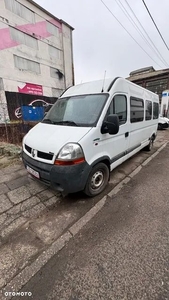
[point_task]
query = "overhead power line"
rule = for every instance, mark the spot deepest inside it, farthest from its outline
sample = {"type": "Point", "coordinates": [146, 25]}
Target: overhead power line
{"type": "Point", "coordinates": [129, 33]}
{"type": "Point", "coordinates": [130, 18]}
{"type": "Point", "coordinates": [155, 24]}
{"type": "Point", "coordinates": [155, 48]}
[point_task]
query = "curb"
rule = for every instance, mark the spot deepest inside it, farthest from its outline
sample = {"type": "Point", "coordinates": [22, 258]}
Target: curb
{"type": "Point", "coordinates": [26, 274]}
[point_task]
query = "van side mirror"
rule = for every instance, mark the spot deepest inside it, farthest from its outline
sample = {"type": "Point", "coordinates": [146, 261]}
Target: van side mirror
{"type": "Point", "coordinates": [110, 125]}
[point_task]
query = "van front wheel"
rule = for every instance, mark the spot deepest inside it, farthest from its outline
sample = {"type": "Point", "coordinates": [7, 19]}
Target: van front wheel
{"type": "Point", "coordinates": [97, 180]}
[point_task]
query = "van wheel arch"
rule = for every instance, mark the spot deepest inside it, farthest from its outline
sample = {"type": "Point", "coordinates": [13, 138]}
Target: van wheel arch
{"type": "Point", "coordinates": [98, 178]}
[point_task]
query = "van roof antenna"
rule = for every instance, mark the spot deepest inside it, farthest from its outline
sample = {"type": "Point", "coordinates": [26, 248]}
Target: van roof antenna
{"type": "Point", "coordinates": [103, 81]}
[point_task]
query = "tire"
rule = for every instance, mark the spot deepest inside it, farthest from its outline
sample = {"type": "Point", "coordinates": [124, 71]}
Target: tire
{"type": "Point", "coordinates": [160, 127]}
{"type": "Point", "coordinates": [97, 180]}
{"type": "Point", "coordinates": [150, 145]}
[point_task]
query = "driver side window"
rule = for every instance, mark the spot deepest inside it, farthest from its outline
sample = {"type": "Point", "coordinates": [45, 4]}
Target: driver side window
{"type": "Point", "coordinates": [118, 106]}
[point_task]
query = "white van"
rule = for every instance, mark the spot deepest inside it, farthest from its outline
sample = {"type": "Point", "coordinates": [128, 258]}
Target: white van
{"type": "Point", "coordinates": [90, 130]}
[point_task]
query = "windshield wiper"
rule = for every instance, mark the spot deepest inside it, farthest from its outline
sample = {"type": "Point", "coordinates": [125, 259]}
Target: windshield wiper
{"type": "Point", "coordinates": [47, 121]}
{"type": "Point", "coordinates": [71, 123]}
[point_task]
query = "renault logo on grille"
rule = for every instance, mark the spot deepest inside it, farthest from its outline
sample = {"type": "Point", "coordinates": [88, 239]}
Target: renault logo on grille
{"type": "Point", "coordinates": [33, 152]}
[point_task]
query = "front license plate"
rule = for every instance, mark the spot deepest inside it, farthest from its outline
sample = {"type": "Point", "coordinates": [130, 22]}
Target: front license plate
{"type": "Point", "coordinates": [33, 172]}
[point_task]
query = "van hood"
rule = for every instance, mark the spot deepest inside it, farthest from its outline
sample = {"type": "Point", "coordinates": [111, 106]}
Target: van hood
{"type": "Point", "coordinates": [51, 138]}
{"type": "Point", "coordinates": [163, 120]}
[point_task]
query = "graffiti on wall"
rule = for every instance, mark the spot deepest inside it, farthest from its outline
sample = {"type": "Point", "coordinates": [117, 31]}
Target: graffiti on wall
{"type": "Point", "coordinates": [16, 100]}
{"type": "Point", "coordinates": [38, 30]}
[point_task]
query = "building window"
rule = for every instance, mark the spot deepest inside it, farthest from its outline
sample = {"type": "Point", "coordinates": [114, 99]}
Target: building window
{"type": "Point", "coordinates": [148, 105]}
{"type": "Point", "coordinates": [52, 29]}
{"type": "Point", "coordinates": [20, 10]}
{"type": "Point", "coordinates": [54, 73]}
{"type": "Point", "coordinates": [136, 110]}
{"type": "Point", "coordinates": [26, 64]}
{"type": "Point", "coordinates": [23, 38]}
{"type": "Point", "coordinates": [119, 106]}
{"type": "Point", "coordinates": [155, 110]}
{"type": "Point", "coordinates": [54, 52]}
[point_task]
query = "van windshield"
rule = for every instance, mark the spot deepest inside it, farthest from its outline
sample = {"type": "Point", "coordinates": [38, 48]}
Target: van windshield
{"type": "Point", "coordinates": [81, 110]}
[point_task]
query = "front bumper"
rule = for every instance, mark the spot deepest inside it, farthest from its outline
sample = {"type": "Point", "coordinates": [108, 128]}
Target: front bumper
{"type": "Point", "coordinates": [163, 125]}
{"type": "Point", "coordinates": [67, 179]}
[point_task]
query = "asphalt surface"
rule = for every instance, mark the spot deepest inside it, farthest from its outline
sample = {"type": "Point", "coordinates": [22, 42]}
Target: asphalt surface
{"type": "Point", "coordinates": [122, 253]}
{"type": "Point", "coordinates": [36, 223]}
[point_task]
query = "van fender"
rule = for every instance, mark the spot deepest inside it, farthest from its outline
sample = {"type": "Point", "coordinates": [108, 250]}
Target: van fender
{"type": "Point", "coordinates": [104, 159]}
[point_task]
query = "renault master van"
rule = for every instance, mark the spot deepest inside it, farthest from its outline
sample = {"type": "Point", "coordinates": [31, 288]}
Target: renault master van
{"type": "Point", "coordinates": [90, 130]}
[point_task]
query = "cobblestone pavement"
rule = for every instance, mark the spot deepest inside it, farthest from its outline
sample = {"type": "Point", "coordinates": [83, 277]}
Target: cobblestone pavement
{"type": "Point", "coordinates": [21, 198]}
{"type": "Point", "coordinates": [33, 216]}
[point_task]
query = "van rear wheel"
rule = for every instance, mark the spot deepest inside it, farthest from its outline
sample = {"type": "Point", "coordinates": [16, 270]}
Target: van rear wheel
{"type": "Point", "coordinates": [97, 180]}
{"type": "Point", "coordinates": [150, 145]}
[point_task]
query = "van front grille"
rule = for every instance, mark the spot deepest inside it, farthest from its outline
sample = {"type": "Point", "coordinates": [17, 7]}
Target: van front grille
{"type": "Point", "coordinates": [40, 154]}
{"type": "Point", "coordinates": [29, 149]}
{"type": "Point", "coordinates": [45, 155]}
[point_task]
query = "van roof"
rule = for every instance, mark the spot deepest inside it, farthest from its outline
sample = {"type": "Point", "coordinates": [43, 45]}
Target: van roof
{"type": "Point", "coordinates": [99, 86]}
{"type": "Point", "coordinates": [92, 87]}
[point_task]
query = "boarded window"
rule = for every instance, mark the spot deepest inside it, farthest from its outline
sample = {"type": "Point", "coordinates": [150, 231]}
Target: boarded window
{"type": "Point", "coordinates": [52, 29]}
{"type": "Point", "coordinates": [54, 73]}
{"type": "Point", "coordinates": [20, 10]}
{"type": "Point", "coordinates": [26, 64]}
{"type": "Point", "coordinates": [23, 38]}
{"type": "Point", "coordinates": [136, 110]}
{"type": "Point", "coordinates": [54, 52]}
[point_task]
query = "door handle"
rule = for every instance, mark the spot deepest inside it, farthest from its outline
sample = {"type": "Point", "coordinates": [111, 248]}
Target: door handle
{"type": "Point", "coordinates": [126, 134]}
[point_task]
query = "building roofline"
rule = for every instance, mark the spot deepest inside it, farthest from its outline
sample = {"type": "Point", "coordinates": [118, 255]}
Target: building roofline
{"type": "Point", "coordinates": [48, 13]}
{"type": "Point", "coordinates": [142, 76]}
{"type": "Point", "coordinates": [142, 71]}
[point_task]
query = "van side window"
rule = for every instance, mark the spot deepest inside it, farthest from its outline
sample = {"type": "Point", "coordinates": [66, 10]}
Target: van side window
{"type": "Point", "coordinates": [136, 110]}
{"type": "Point", "coordinates": [155, 110]}
{"type": "Point", "coordinates": [148, 105]}
{"type": "Point", "coordinates": [119, 106]}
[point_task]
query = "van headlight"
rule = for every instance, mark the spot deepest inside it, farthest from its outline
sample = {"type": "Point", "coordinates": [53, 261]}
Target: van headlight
{"type": "Point", "coordinates": [70, 154]}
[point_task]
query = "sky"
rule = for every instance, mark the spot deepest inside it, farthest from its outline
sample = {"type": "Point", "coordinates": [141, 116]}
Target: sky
{"type": "Point", "coordinates": [102, 47]}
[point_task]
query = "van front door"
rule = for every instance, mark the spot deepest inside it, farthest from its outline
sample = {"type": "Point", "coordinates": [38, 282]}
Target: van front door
{"type": "Point", "coordinates": [117, 145]}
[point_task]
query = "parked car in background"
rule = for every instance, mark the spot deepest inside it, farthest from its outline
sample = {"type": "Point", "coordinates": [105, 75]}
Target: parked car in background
{"type": "Point", "coordinates": [163, 122]}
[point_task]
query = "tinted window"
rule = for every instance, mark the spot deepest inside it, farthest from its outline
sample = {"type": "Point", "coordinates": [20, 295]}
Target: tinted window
{"type": "Point", "coordinates": [148, 110]}
{"type": "Point", "coordinates": [136, 110]}
{"type": "Point", "coordinates": [119, 106]}
{"type": "Point", "coordinates": [155, 110]}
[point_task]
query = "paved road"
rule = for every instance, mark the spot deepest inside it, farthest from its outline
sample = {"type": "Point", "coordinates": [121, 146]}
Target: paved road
{"type": "Point", "coordinates": [123, 252]}
{"type": "Point", "coordinates": [32, 217]}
